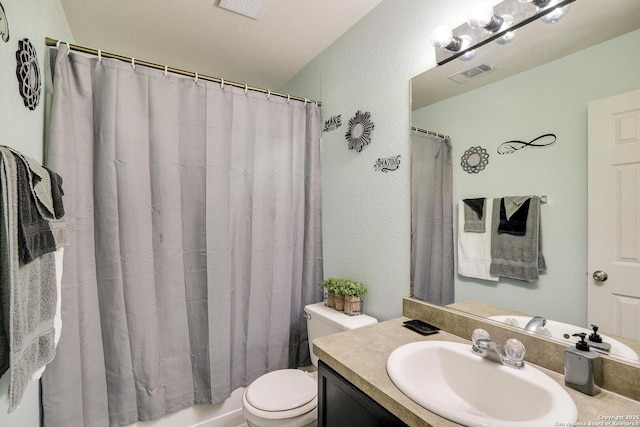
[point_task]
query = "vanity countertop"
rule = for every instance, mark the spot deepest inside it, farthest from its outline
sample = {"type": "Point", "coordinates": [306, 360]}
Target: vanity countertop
{"type": "Point", "coordinates": [360, 356]}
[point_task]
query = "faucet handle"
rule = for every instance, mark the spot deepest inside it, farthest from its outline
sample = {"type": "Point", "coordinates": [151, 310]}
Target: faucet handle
{"type": "Point", "coordinates": [479, 334]}
{"type": "Point", "coordinates": [514, 349]}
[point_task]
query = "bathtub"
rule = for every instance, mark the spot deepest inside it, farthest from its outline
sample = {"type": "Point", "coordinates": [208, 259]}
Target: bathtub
{"type": "Point", "coordinates": [224, 414]}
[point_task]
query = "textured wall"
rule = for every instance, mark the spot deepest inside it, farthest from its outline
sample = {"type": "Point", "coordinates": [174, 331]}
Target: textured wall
{"type": "Point", "coordinates": [23, 129]}
{"type": "Point", "coordinates": [366, 214]}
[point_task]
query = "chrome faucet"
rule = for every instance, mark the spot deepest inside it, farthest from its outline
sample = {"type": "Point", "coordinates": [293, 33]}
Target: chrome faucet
{"type": "Point", "coordinates": [535, 323]}
{"type": "Point", "coordinates": [512, 356]}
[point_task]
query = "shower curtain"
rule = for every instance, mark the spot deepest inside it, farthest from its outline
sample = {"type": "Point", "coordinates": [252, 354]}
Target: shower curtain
{"type": "Point", "coordinates": [194, 219]}
{"type": "Point", "coordinates": [431, 219]}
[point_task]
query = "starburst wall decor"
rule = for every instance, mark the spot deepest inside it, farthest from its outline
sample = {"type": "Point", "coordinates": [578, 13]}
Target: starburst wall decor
{"type": "Point", "coordinates": [359, 133]}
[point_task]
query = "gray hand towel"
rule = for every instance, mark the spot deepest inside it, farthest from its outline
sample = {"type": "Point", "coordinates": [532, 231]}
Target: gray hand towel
{"type": "Point", "coordinates": [518, 257]}
{"type": "Point", "coordinates": [474, 211]}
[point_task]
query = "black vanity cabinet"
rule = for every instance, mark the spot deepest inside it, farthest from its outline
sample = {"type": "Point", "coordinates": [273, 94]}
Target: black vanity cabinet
{"type": "Point", "coordinates": [340, 403]}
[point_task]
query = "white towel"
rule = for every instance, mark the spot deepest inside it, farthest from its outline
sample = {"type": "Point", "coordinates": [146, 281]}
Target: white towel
{"type": "Point", "coordinates": [474, 249]}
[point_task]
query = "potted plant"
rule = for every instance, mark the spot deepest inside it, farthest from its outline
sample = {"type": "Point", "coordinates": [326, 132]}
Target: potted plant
{"type": "Point", "coordinates": [353, 292]}
{"type": "Point", "coordinates": [330, 285]}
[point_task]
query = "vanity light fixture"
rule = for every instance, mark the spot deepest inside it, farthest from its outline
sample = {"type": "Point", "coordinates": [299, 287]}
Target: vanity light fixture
{"type": "Point", "coordinates": [486, 24]}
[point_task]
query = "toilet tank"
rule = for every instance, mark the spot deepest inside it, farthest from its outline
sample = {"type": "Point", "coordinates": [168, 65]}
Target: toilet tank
{"type": "Point", "coordinates": [322, 320]}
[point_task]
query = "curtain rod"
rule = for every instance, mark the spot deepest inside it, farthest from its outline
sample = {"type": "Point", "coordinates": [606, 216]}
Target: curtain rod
{"type": "Point", "coordinates": [429, 132]}
{"type": "Point", "coordinates": [53, 42]}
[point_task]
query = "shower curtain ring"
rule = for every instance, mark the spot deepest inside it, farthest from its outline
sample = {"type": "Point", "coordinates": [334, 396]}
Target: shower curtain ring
{"type": "Point", "coordinates": [268, 93]}
{"type": "Point", "coordinates": [58, 44]}
{"type": "Point", "coordinates": [196, 78]}
{"type": "Point", "coordinates": [68, 49]}
{"type": "Point", "coordinates": [316, 103]}
{"type": "Point", "coordinates": [133, 63]}
{"type": "Point", "coordinates": [221, 83]}
{"type": "Point", "coordinates": [166, 71]}
{"type": "Point", "coordinates": [246, 88]}
{"type": "Point", "coordinates": [99, 55]}
{"type": "Point", "coordinates": [288, 98]}
{"type": "Point", "coordinates": [305, 102]}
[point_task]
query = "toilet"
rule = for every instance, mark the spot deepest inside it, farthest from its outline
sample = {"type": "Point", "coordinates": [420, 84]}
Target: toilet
{"type": "Point", "coordinates": [289, 397]}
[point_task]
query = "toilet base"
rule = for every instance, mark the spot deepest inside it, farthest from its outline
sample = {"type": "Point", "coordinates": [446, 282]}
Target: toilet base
{"type": "Point", "coordinates": [307, 420]}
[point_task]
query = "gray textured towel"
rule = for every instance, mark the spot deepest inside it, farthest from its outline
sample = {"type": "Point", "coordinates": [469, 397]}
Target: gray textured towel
{"type": "Point", "coordinates": [28, 294]}
{"type": "Point", "coordinates": [518, 257]}
{"type": "Point", "coordinates": [474, 220]}
{"type": "Point", "coordinates": [34, 233]}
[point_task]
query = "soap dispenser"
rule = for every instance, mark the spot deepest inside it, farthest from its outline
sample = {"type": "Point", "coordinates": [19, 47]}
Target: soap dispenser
{"type": "Point", "coordinates": [582, 367]}
{"type": "Point", "coordinates": [595, 340]}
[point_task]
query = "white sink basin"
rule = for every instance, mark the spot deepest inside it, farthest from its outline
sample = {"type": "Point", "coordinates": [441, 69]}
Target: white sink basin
{"type": "Point", "coordinates": [449, 380]}
{"type": "Point", "coordinates": [565, 331]}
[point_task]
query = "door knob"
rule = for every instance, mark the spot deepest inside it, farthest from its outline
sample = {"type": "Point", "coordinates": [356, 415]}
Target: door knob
{"type": "Point", "coordinates": [600, 276]}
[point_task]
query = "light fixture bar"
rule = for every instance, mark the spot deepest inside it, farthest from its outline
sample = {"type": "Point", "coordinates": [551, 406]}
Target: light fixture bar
{"type": "Point", "coordinates": [522, 13]}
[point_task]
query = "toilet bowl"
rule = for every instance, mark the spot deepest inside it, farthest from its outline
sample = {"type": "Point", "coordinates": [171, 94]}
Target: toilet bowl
{"type": "Point", "coordinates": [289, 397]}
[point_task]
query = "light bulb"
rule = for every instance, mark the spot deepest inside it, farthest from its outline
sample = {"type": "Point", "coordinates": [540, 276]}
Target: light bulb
{"type": "Point", "coordinates": [442, 37]}
{"type": "Point", "coordinates": [509, 35]}
{"type": "Point", "coordinates": [466, 43]}
{"type": "Point", "coordinates": [480, 15]}
{"type": "Point", "coordinates": [555, 15]}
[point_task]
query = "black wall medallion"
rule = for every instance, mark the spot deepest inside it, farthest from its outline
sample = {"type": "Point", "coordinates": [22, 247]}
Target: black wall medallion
{"type": "Point", "coordinates": [28, 72]}
{"type": "Point", "coordinates": [333, 123]}
{"type": "Point", "coordinates": [474, 159]}
{"type": "Point", "coordinates": [512, 146]}
{"type": "Point", "coordinates": [387, 164]}
{"type": "Point", "coordinates": [359, 133]}
{"type": "Point", "coordinates": [4, 25]}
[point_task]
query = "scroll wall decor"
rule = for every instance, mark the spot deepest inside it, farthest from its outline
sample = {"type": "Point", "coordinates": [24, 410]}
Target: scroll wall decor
{"type": "Point", "coordinates": [332, 123]}
{"type": "Point", "coordinates": [387, 164]}
{"type": "Point", "coordinates": [4, 25]}
{"type": "Point", "coordinates": [28, 72]}
{"type": "Point", "coordinates": [542, 141]}
{"type": "Point", "coordinates": [359, 133]}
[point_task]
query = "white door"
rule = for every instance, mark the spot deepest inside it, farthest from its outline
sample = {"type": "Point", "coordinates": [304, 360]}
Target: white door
{"type": "Point", "coordinates": [614, 214]}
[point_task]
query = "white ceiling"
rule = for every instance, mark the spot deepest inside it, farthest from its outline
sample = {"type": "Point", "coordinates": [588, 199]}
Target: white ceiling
{"type": "Point", "coordinates": [199, 36]}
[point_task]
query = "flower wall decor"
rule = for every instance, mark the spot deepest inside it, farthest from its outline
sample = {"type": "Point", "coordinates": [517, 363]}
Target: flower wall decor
{"type": "Point", "coordinates": [359, 133]}
{"type": "Point", "coordinates": [474, 159]}
{"type": "Point", "coordinates": [28, 72]}
{"type": "Point", "coordinates": [4, 25]}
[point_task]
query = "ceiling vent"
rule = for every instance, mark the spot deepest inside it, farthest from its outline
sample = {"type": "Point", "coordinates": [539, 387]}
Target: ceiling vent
{"type": "Point", "coordinates": [253, 9]}
{"type": "Point", "coordinates": [472, 73]}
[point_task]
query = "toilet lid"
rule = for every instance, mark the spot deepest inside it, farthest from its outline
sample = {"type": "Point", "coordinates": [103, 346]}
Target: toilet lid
{"type": "Point", "coordinates": [282, 390]}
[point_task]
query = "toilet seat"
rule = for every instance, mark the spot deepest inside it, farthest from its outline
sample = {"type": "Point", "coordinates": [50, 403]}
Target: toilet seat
{"type": "Point", "coordinates": [282, 394]}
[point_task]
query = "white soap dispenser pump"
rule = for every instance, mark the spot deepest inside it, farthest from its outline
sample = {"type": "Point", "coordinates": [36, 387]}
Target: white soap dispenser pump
{"type": "Point", "coordinates": [582, 367]}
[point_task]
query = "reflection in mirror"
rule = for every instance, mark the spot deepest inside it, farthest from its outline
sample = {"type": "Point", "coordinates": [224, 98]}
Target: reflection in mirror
{"type": "Point", "coordinates": [540, 83]}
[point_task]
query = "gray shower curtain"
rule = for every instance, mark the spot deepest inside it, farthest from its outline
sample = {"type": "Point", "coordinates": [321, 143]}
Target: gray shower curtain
{"type": "Point", "coordinates": [194, 219]}
{"type": "Point", "coordinates": [431, 219]}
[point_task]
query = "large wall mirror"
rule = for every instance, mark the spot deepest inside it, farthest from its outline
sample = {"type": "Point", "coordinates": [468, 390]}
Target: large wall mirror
{"type": "Point", "coordinates": [541, 83]}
